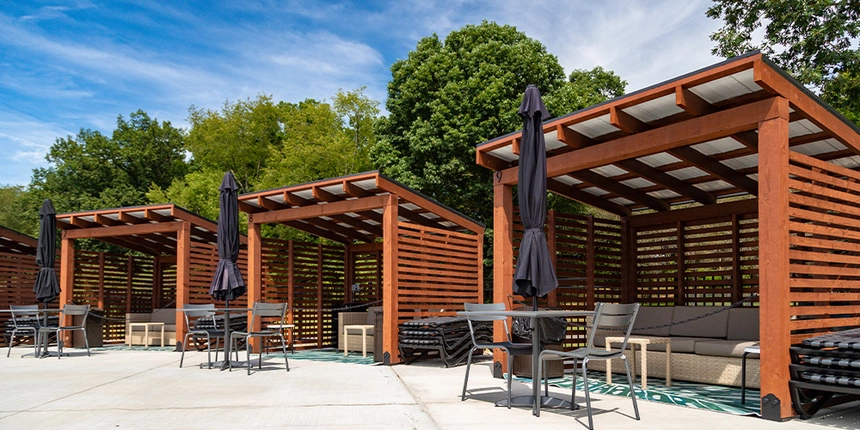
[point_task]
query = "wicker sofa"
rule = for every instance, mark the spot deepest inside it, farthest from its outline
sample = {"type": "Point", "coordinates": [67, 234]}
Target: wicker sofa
{"type": "Point", "coordinates": [167, 316]}
{"type": "Point", "coordinates": [706, 350]}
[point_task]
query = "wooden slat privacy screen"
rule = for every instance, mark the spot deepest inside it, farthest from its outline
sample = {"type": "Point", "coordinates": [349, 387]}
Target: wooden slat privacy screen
{"type": "Point", "coordinates": [824, 224]}
{"type": "Point", "coordinates": [437, 271]}
{"type": "Point", "coordinates": [17, 276]}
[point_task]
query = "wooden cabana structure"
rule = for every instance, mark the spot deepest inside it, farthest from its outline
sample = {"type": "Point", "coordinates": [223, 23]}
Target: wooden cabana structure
{"type": "Point", "coordinates": [18, 270]}
{"type": "Point", "coordinates": [412, 253]}
{"type": "Point", "coordinates": [727, 182]}
{"type": "Point", "coordinates": [180, 255]}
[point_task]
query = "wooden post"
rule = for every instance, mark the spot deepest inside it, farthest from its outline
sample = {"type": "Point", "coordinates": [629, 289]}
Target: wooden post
{"type": "Point", "coordinates": [183, 275]}
{"type": "Point", "coordinates": [590, 261]}
{"type": "Point", "coordinates": [291, 285]}
{"type": "Point", "coordinates": [348, 274]}
{"type": "Point", "coordinates": [552, 297]}
{"type": "Point", "coordinates": [503, 262]}
{"type": "Point", "coordinates": [390, 308]}
{"type": "Point", "coordinates": [255, 271]}
{"type": "Point", "coordinates": [737, 284]}
{"type": "Point", "coordinates": [774, 266]}
{"type": "Point", "coordinates": [156, 282]}
{"type": "Point", "coordinates": [319, 305]}
{"type": "Point", "coordinates": [129, 273]}
{"type": "Point", "coordinates": [628, 262]}
{"type": "Point", "coordinates": [67, 278]}
{"type": "Point", "coordinates": [102, 281]}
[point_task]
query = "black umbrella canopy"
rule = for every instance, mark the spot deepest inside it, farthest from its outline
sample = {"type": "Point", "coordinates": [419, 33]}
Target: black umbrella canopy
{"type": "Point", "coordinates": [534, 275]}
{"type": "Point", "coordinates": [228, 283]}
{"type": "Point", "coordinates": [47, 288]}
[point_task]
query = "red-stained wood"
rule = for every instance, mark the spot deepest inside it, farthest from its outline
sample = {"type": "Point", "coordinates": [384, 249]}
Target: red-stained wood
{"type": "Point", "coordinates": [774, 260]}
{"type": "Point", "coordinates": [67, 278]}
{"type": "Point", "coordinates": [503, 260]}
{"type": "Point", "coordinates": [310, 211]}
{"type": "Point", "coordinates": [255, 270]}
{"type": "Point", "coordinates": [183, 276]}
{"type": "Point", "coordinates": [390, 309]}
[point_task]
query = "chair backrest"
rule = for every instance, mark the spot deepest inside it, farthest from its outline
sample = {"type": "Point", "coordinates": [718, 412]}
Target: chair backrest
{"type": "Point", "coordinates": [473, 307]}
{"type": "Point", "coordinates": [262, 310]}
{"type": "Point", "coordinates": [195, 312]}
{"type": "Point", "coordinates": [613, 318]}
{"type": "Point", "coordinates": [24, 311]}
{"type": "Point", "coordinates": [77, 310]}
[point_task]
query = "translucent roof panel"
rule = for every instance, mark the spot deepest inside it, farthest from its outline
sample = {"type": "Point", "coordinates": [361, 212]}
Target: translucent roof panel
{"type": "Point", "coordinates": [567, 180]}
{"type": "Point", "coordinates": [595, 127]}
{"type": "Point", "coordinates": [719, 146]}
{"type": "Point", "coordinates": [744, 162]}
{"type": "Point", "coordinates": [621, 201]}
{"type": "Point", "coordinates": [656, 109]}
{"type": "Point", "coordinates": [728, 87]}
{"type": "Point", "coordinates": [714, 185]}
{"type": "Point", "coordinates": [609, 171]}
{"type": "Point", "coordinates": [820, 147]}
{"type": "Point", "coordinates": [664, 194]}
{"type": "Point", "coordinates": [596, 191]}
{"type": "Point", "coordinates": [687, 173]}
{"type": "Point", "coordinates": [638, 183]}
{"type": "Point", "coordinates": [802, 128]}
{"type": "Point", "coordinates": [552, 141]}
{"type": "Point", "coordinates": [659, 159]}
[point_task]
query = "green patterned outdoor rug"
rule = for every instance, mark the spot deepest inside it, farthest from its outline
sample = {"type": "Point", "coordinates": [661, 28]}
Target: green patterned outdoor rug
{"type": "Point", "coordinates": [330, 355]}
{"type": "Point", "coordinates": [692, 395]}
{"type": "Point", "coordinates": [132, 348]}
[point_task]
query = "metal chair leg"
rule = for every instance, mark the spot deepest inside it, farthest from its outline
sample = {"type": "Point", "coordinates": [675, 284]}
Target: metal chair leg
{"type": "Point", "coordinates": [284, 348]}
{"type": "Point", "coordinates": [587, 396]}
{"type": "Point", "coordinates": [632, 391]}
{"type": "Point", "coordinates": [468, 366]}
{"type": "Point", "coordinates": [86, 343]}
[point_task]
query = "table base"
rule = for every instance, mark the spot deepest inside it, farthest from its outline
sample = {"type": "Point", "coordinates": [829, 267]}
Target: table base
{"type": "Point", "coordinates": [547, 402]}
{"type": "Point", "coordinates": [224, 365]}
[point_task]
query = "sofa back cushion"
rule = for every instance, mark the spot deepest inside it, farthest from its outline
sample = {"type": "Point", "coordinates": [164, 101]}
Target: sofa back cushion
{"type": "Point", "coordinates": [651, 316]}
{"type": "Point", "coordinates": [743, 324]}
{"type": "Point", "coordinates": [167, 316]}
{"type": "Point", "coordinates": [714, 326]}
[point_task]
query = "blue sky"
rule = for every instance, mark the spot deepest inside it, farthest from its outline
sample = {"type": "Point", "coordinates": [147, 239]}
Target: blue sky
{"type": "Point", "coordinates": [68, 65]}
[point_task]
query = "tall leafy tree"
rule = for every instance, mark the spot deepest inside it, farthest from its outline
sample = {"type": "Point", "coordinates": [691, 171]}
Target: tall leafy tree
{"type": "Point", "coordinates": [448, 96]}
{"type": "Point", "coordinates": [237, 138]}
{"type": "Point", "coordinates": [15, 212]}
{"type": "Point", "coordinates": [815, 41]}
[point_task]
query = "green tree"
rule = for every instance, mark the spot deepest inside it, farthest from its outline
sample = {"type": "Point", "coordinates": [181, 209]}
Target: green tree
{"type": "Point", "coordinates": [15, 212]}
{"type": "Point", "coordinates": [447, 97]}
{"type": "Point", "coordinates": [94, 171]}
{"type": "Point", "coordinates": [197, 191]}
{"type": "Point", "coordinates": [815, 41]}
{"type": "Point", "coordinates": [239, 138]}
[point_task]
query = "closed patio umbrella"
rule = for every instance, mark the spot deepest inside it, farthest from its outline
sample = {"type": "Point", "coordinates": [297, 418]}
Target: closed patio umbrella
{"type": "Point", "coordinates": [534, 275]}
{"type": "Point", "coordinates": [227, 283]}
{"type": "Point", "coordinates": [46, 287]}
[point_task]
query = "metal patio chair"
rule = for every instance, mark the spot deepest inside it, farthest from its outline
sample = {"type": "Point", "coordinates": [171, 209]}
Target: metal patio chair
{"type": "Point", "coordinates": [195, 314]}
{"type": "Point", "coordinates": [25, 318]}
{"type": "Point", "coordinates": [481, 342]}
{"type": "Point", "coordinates": [260, 311]}
{"type": "Point", "coordinates": [607, 317]}
{"type": "Point", "coordinates": [69, 310]}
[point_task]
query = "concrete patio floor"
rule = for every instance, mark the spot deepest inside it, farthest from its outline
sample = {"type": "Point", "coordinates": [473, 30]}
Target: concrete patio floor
{"type": "Point", "coordinates": [147, 390]}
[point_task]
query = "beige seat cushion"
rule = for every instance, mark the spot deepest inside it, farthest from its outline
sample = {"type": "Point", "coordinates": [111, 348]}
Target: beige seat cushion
{"type": "Point", "coordinates": [714, 326]}
{"type": "Point", "coordinates": [722, 348]}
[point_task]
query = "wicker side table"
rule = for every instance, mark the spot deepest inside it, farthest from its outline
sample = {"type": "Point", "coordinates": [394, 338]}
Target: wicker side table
{"type": "Point", "coordinates": [146, 326]}
{"type": "Point", "coordinates": [643, 343]}
{"type": "Point", "coordinates": [364, 328]}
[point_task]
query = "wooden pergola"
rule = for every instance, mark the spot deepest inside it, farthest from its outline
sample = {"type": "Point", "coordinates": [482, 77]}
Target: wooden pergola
{"type": "Point", "coordinates": [727, 182]}
{"type": "Point", "coordinates": [181, 244]}
{"type": "Point", "coordinates": [430, 255]}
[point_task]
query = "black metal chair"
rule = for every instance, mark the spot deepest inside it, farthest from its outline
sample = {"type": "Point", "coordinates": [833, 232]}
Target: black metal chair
{"type": "Point", "coordinates": [69, 310]}
{"type": "Point", "coordinates": [25, 319]}
{"type": "Point", "coordinates": [260, 311]}
{"type": "Point", "coordinates": [607, 317]}
{"type": "Point", "coordinates": [197, 322]}
{"type": "Point", "coordinates": [485, 342]}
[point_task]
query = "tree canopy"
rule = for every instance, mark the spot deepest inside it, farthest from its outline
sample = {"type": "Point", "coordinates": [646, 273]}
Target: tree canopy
{"type": "Point", "coordinates": [815, 41]}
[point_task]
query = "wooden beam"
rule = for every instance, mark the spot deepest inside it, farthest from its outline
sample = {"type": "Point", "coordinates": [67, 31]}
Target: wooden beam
{"type": "Point", "coordinates": [77, 221]}
{"type": "Point", "coordinates": [314, 230]}
{"type": "Point", "coordinates": [774, 265]}
{"type": "Point", "coordinates": [716, 168]}
{"type": "Point", "coordinates": [354, 190]}
{"type": "Point", "coordinates": [489, 161]}
{"type": "Point", "coordinates": [358, 224]}
{"type": "Point", "coordinates": [255, 273]}
{"type": "Point", "coordinates": [572, 138]}
{"type": "Point", "coordinates": [339, 229]}
{"type": "Point", "coordinates": [587, 198]}
{"type": "Point", "coordinates": [323, 195]}
{"type": "Point", "coordinates": [101, 219]}
{"type": "Point", "coordinates": [748, 139]}
{"type": "Point", "coordinates": [690, 132]}
{"type": "Point", "coordinates": [67, 277]}
{"type": "Point", "coordinates": [692, 103]}
{"type": "Point", "coordinates": [296, 200]}
{"type": "Point", "coordinates": [503, 263]}
{"type": "Point", "coordinates": [430, 205]}
{"type": "Point", "coordinates": [633, 194]}
{"type": "Point", "coordinates": [124, 230]}
{"type": "Point", "coordinates": [270, 204]}
{"type": "Point", "coordinates": [667, 181]}
{"type": "Point", "coordinates": [317, 210]}
{"type": "Point", "coordinates": [698, 213]}
{"type": "Point", "coordinates": [130, 219]}
{"type": "Point", "coordinates": [625, 122]}
{"type": "Point", "coordinates": [183, 275]}
{"type": "Point", "coordinates": [151, 214]}
{"type": "Point", "coordinates": [390, 306]}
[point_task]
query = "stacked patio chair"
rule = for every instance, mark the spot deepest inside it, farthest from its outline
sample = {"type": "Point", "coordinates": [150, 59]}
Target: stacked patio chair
{"type": "Point", "coordinates": [444, 337]}
{"type": "Point", "coordinates": [825, 370]}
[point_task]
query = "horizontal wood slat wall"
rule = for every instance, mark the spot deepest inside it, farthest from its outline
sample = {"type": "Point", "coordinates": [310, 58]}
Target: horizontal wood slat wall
{"type": "Point", "coordinates": [17, 277]}
{"type": "Point", "coordinates": [310, 277]}
{"type": "Point", "coordinates": [437, 271]}
{"type": "Point", "coordinates": [824, 224]}
{"type": "Point", "coordinates": [699, 260]}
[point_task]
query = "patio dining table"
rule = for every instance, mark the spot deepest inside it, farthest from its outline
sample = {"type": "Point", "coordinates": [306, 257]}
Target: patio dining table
{"type": "Point", "coordinates": [228, 345]}
{"type": "Point", "coordinates": [546, 401]}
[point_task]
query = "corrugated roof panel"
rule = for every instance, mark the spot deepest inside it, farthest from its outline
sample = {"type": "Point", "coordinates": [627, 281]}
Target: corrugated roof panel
{"type": "Point", "coordinates": [687, 173]}
{"type": "Point", "coordinates": [567, 180]}
{"type": "Point", "coordinates": [305, 194]}
{"type": "Point", "coordinates": [609, 171]}
{"type": "Point", "coordinates": [802, 128]}
{"type": "Point", "coordinates": [367, 184]}
{"type": "Point", "coordinates": [820, 147]}
{"type": "Point", "coordinates": [719, 146]}
{"type": "Point", "coordinates": [596, 191]}
{"type": "Point", "coordinates": [335, 189]}
{"type": "Point", "coordinates": [655, 109]}
{"type": "Point", "coordinates": [505, 153]}
{"type": "Point", "coordinates": [851, 162]}
{"type": "Point", "coordinates": [621, 201]}
{"type": "Point", "coordinates": [410, 206]}
{"type": "Point", "coordinates": [552, 141]}
{"type": "Point", "coordinates": [728, 87]}
{"type": "Point", "coordinates": [595, 127]}
{"type": "Point", "coordinates": [742, 162]}
{"type": "Point", "coordinates": [659, 159]}
{"type": "Point", "coordinates": [717, 185]}
{"type": "Point", "coordinates": [638, 183]}
{"type": "Point", "coordinates": [664, 194]}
